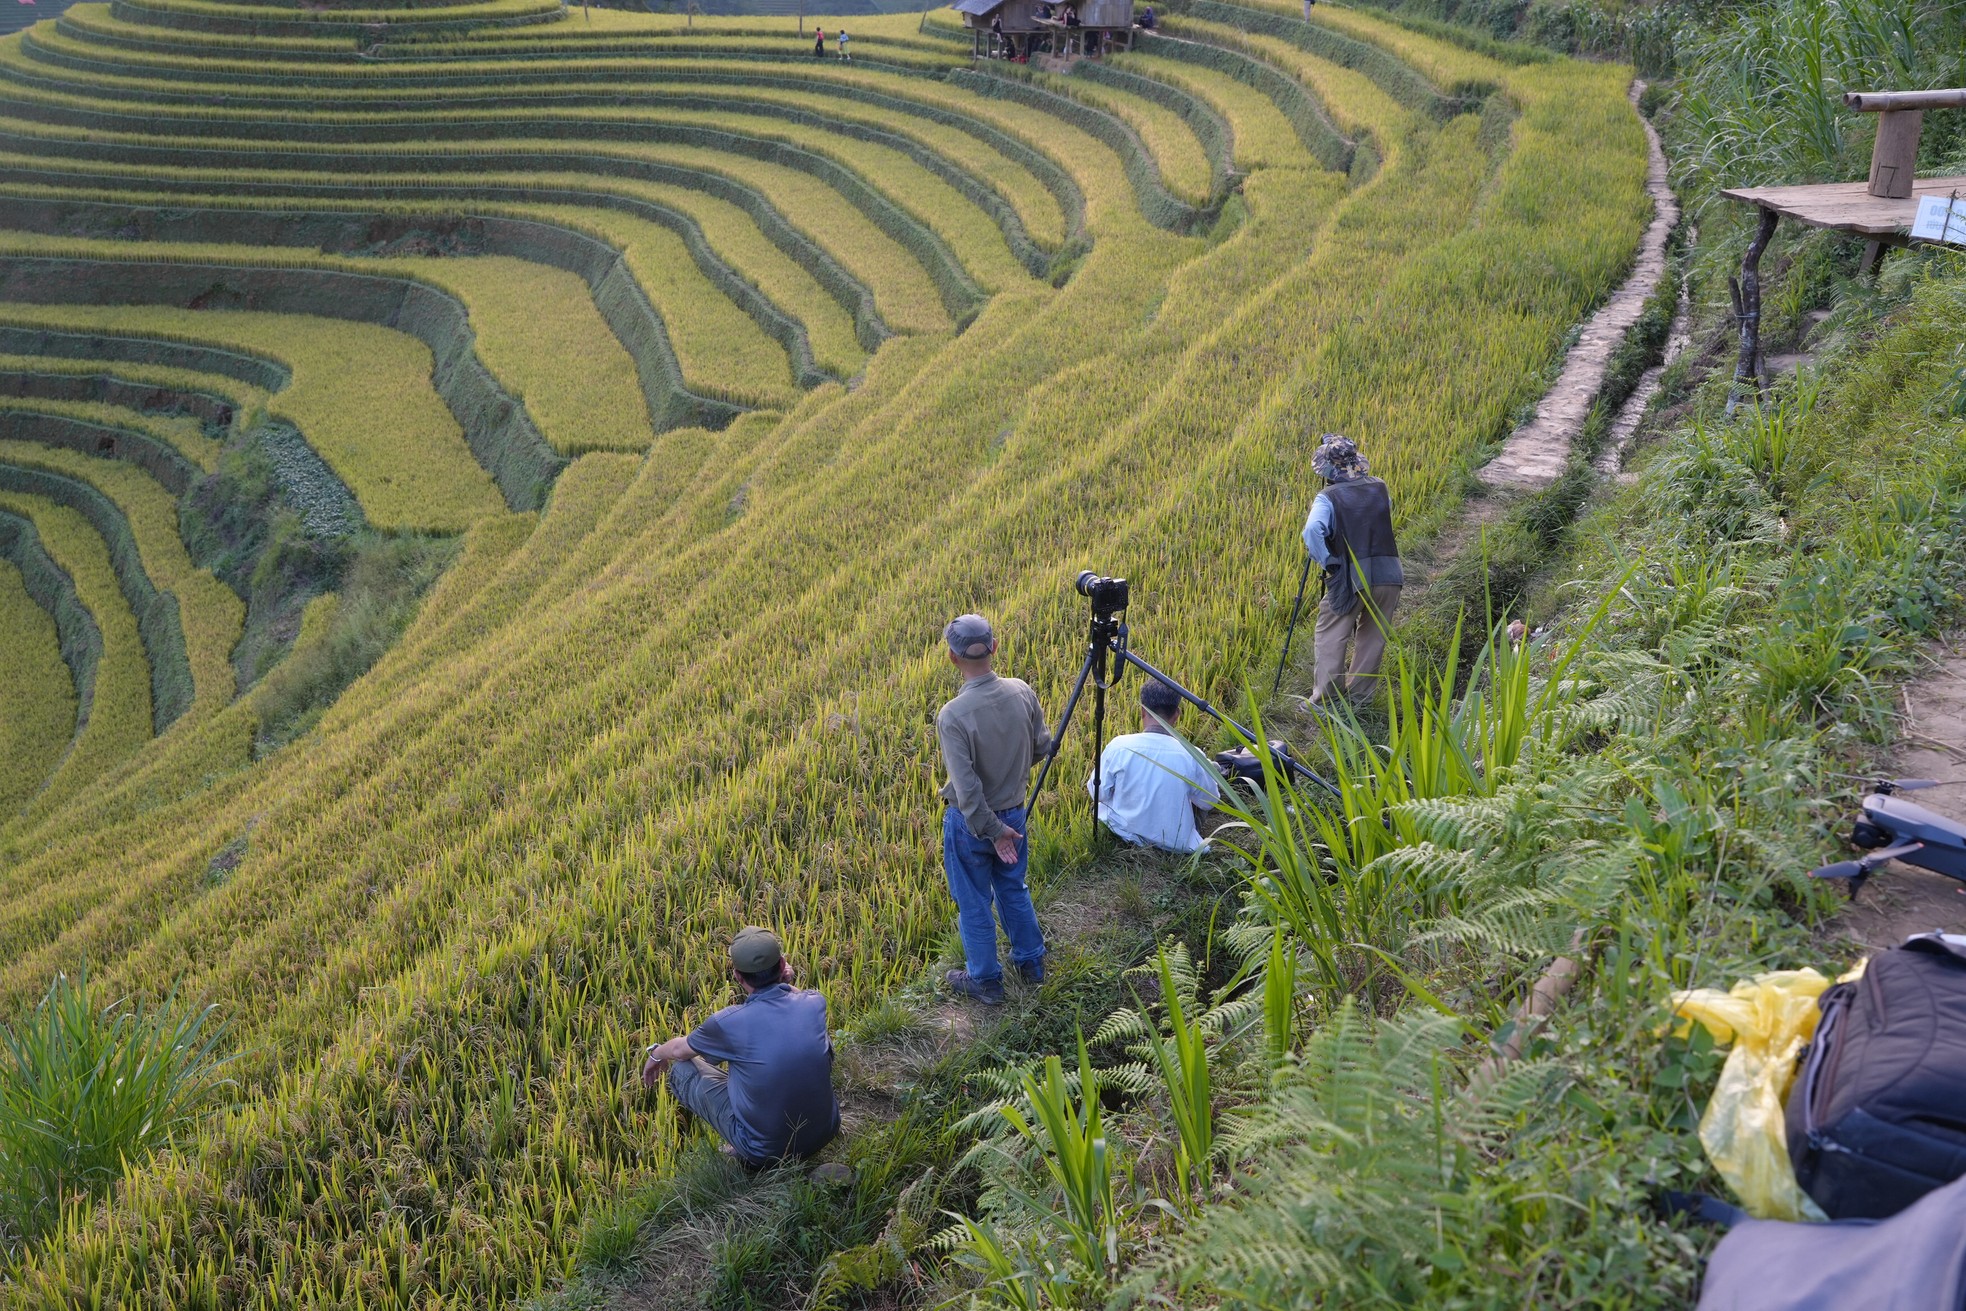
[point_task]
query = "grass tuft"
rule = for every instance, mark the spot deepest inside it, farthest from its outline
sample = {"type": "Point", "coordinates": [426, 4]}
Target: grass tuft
{"type": "Point", "coordinates": [89, 1088]}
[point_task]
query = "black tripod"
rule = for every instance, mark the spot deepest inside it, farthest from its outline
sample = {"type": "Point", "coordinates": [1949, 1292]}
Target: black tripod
{"type": "Point", "coordinates": [1107, 655]}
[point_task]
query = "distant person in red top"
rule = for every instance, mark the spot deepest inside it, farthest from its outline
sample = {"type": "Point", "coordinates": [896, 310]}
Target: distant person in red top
{"type": "Point", "coordinates": [819, 43]}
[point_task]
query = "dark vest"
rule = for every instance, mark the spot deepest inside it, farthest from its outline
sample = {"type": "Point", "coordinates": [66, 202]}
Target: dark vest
{"type": "Point", "coordinates": [1362, 539]}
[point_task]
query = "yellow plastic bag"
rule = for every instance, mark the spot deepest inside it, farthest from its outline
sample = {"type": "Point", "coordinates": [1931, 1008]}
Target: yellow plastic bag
{"type": "Point", "coordinates": [1768, 1019]}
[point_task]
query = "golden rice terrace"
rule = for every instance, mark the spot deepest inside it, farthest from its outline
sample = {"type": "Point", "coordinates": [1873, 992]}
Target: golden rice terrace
{"type": "Point", "coordinates": [713, 377]}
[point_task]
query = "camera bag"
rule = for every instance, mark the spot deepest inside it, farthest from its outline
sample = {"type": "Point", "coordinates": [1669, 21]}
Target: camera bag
{"type": "Point", "coordinates": [1244, 766]}
{"type": "Point", "coordinates": [1876, 1117]}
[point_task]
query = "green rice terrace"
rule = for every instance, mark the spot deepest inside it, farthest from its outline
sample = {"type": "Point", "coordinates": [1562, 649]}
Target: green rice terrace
{"type": "Point", "coordinates": [481, 485]}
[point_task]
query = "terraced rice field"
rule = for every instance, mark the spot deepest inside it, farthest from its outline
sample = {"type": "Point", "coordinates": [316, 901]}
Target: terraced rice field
{"type": "Point", "coordinates": [733, 373]}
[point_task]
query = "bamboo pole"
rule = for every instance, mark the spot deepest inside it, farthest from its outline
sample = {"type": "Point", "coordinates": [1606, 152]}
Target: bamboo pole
{"type": "Point", "coordinates": [1882, 102]}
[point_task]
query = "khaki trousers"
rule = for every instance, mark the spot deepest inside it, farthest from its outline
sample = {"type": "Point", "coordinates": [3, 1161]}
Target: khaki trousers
{"type": "Point", "coordinates": [1361, 627]}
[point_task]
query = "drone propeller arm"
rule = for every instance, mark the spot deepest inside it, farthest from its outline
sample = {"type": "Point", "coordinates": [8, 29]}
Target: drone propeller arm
{"type": "Point", "coordinates": [1861, 868]}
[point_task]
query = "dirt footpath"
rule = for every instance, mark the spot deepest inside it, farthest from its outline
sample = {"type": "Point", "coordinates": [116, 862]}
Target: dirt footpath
{"type": "Point", "coordinates": [1899, 900]}
{"type": "Point", "coordinates": [1536, 453]}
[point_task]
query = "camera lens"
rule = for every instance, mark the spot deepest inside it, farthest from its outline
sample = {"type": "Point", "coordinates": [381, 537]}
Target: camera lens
{"type": "Point", "coordinates": [1087, 581]}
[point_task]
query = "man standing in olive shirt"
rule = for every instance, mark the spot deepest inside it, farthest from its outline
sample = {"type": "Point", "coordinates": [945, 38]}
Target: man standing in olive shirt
{"type": "Point", "coordinates": [991, 734]}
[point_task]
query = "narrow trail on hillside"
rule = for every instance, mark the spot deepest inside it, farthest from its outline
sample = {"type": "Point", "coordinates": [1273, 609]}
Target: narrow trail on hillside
{"type": "Point", "coordinates": [1536, 453]}
{"type": "Point", "coordinates": [1610, 461]}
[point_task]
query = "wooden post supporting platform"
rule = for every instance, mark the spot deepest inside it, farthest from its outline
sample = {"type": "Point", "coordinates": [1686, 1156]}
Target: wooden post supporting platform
{"type": "Point", "coordinates": [1747, 312]}
{"type": "Point", "coordinates": [1894, 157]}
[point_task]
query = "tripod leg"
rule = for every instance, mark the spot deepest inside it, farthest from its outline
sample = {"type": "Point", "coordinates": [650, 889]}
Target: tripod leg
{"type": "Point", "coordinates": [1296, 609]}
{"type": "Point", "coordinates": [1058, 734]}
{"type": "Point", "coordinates": [1098, 748]}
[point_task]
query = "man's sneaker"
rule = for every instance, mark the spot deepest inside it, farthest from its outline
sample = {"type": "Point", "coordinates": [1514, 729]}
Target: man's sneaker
{"type": "Point", "coordinates": [1031, 971]}
{"type": "Point", "coordinates": [987, 991]}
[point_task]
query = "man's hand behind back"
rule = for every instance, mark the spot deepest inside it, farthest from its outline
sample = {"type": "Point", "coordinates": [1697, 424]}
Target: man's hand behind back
{"type": "Point", "coordinates": [1007, 845]}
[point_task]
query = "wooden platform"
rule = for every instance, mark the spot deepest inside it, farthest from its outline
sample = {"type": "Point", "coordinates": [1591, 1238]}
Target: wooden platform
{"type": "Point", "coordinates": [1848, 206]}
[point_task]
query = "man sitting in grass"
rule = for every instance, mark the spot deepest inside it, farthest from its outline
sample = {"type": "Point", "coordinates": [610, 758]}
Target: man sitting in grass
{"type": "Point", "coordinates": [774, 1097]}
{"type": "Point", "coordinates": [1150, 786]}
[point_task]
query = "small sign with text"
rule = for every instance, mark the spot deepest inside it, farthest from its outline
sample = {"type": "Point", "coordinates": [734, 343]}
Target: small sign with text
{"type": "Point", "coordinates": [1940, 218]}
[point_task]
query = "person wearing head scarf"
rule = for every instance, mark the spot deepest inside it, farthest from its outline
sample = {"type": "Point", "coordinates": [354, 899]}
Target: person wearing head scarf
{"type": "Point", "coordinates": [1350, 535]}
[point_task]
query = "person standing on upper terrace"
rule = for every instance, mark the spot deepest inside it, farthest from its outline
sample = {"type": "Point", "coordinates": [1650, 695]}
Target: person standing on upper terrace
{"type": "Point", "coordinates": [992, 734]}
{"type": "Point", "coordinates": [774, 1097]}
{"type": "Point", "coordinates": [1350, 535]}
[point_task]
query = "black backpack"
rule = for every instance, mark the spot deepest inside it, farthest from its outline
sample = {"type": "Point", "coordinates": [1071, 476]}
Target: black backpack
{"type": "Point", "coordinates": [1877, 1114]}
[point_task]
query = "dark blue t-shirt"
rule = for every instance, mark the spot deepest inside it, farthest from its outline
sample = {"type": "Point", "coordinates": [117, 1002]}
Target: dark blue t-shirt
{"type": "Point", "coordinates": [780, 1063]}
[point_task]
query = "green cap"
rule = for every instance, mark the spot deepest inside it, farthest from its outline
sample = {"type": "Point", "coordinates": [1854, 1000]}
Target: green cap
{"type": "Point", "coordinates": [755, 950]}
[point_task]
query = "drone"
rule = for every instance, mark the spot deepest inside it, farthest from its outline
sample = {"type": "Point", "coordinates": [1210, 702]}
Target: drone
{"type": "Point", "coordinates": [1889, 828]}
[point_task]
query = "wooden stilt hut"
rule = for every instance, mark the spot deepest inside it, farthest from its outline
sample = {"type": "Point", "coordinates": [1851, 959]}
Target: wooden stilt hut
{"type": "Point", "coordinates": [1071, 30]}
{"type": "Point", "coordinates": [1019, 18]}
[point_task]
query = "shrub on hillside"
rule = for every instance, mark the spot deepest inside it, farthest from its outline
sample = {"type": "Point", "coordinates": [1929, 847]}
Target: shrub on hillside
{"type": "Point", "coordinates": [88, 1089]}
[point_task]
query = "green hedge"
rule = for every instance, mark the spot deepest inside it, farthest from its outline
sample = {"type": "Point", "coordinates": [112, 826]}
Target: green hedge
{"type": "Point", "coordinates": [1396, 79]}
{"type": "Point", "coordinates": [843, 286]}
{"type": "Point", "coordinates": [107, 388]}
{"type": "Point", "coordinates": [1327, 145]}
{"type": "Point", "coordinates": [1016, 82]}
{"type": "Point", "coordinates": [135, 348]}
{"type": "Point", "coordinates": [1209, 127]}
{"type": "Point", "coordinates": [495, 425]}
{"type": "Point", "coordinates": [54, 591]}
{"type": "Point", "coordinates": [158, 623]}
{"type": "Point", "coordinates": [158, 459]}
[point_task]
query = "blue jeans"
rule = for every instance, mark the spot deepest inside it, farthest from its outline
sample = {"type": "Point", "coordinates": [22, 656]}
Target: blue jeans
{"type": "Point", "coordinates": [979, 881]}
{"type": "Point", "coordinates": [705, 1090]}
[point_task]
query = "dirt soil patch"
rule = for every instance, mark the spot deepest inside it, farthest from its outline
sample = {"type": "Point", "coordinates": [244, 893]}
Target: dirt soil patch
{"type": "Point", "coordinates": [1899, 900]}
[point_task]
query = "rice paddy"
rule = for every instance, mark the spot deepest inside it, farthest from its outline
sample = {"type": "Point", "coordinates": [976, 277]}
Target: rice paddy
{"type": "Point", "coordinates": [726, 406]}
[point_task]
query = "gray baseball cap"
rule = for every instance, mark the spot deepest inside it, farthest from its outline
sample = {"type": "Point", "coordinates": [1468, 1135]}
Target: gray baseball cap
{"type": "Point", "coordinates": [969, 636]}
{"type": "Point", "coordinates": [755, 950]}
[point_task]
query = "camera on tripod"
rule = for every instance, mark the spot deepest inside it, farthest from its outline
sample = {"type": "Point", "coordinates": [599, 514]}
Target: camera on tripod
{"type": "Point", "coordinates": [1108, 654]}
{"type": "Point", "coordinates": [1108, 595]}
